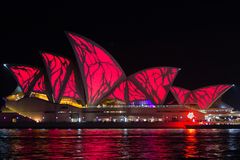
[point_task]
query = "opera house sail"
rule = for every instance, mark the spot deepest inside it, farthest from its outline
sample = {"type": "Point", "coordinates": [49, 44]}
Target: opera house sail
{"type": "Point", "coordinates": [95, 88]}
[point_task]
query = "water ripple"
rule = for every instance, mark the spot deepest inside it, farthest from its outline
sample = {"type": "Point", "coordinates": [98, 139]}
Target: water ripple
{"type": "Point", "coordinates": [111, 144]}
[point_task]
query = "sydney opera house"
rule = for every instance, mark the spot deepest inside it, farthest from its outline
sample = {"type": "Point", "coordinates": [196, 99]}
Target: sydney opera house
{"type": "Point", "coordinates": [94, 87]}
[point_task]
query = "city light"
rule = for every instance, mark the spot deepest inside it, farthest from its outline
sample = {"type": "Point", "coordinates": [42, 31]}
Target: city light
{"type": "Point", "coordinates": [190, 115]}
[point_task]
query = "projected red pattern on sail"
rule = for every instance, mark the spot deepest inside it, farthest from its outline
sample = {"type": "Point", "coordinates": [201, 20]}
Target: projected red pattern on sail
{"type": "Point", "coordinates": [191, 99]}
{"type": "Point", "coordinates": [203, 97]}
{"type": "Point", "coordinates": [127, 92]}
{"type": "Point", "coordinates": [208, 95]}
{"type": "Point", "coordinates": [39, 85]}
{"type": "Point", "coordinates": [180, 94]}
{"type": "Point", "coordinates": [100, 72]}
{"type": "Point", "coordinates": [57, 68]}
{"type": "Point", "coordinates": [99, 76]}
{"type": "Point", "coordinates": [134, 93]}
{"type": "Point", "coordinates": [119, 92]}
{"type": "Point", "coordinates": [156, 82]}
{"type": "Point", "coordinates": [71, 88]}
{"type": "Point", "coordinates": [25, 76]}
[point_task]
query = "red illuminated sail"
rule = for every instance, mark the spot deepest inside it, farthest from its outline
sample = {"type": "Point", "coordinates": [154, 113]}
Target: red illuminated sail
{"type": "Point", "coordinates": [119, 92]}
{"type": "Point", "coordinates": [40, 86]}
{"type": "Point", "coordinates": [127, 92]}
{"type": "Point", "coordinates": [203, 97]}
{"type": "Point", "coordinates": [25, 76]}
{"type": "Point", "coordinates": [156, 82]}
{"type": "Point", "coordinates": [57, 68]}
{"type": "Point", "coordinates": [71, 88]}
{"type": "Point", "coordinates": [208, 95]}
{"type": "Point", "coordinates": [191, 99]}
{"type": "Point", "coordinates": [180, 94]}
{"type": "Point", "coordinates": [100, 72]}
{"type": "Point", "coordinates": [134, 93]}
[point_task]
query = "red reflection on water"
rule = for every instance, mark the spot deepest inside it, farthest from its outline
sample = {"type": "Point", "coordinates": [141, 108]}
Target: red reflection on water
{"type": "Point", "coordinates": [94, 144]}
{"type": "Point", "coordinates": [191, 150]}
{"type": "Point", "coordinates": [99, 144]}
{"type": "Point", "coordinates": [118, 144]}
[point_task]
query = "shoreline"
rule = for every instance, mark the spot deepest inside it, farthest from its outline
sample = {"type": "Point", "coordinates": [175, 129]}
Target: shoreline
{"type": "Point", "coordinates": [115, 125]}
{"type": "Point", "coordinates": [214, 126]}
{"type": "Point", "coordinates": [91, 125]}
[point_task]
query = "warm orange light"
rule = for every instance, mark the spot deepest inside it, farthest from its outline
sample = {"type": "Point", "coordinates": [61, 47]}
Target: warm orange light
{"type": "Point", "coordinates": [190, 115]}
{"type": "Point", "coordinates": [15, 97]}
{"type": "Point", "coordinates": [40, 96]}
{"type": "Point", "coordinates": [191, 131]}
{"type": "Point", "coordinates": [70, 101]}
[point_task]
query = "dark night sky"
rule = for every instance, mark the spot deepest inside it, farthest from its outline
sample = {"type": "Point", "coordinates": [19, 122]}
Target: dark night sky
{"type": "Point", "coordinates": [201, 38]}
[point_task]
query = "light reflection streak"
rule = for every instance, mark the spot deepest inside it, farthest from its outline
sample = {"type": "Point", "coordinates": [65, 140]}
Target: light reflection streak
{"type": "Point", "coordinates": [191, 150]}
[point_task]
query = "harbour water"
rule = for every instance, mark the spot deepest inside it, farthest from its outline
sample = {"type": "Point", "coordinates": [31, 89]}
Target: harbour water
{"type": "Point", "coordinates": [119, 143]}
